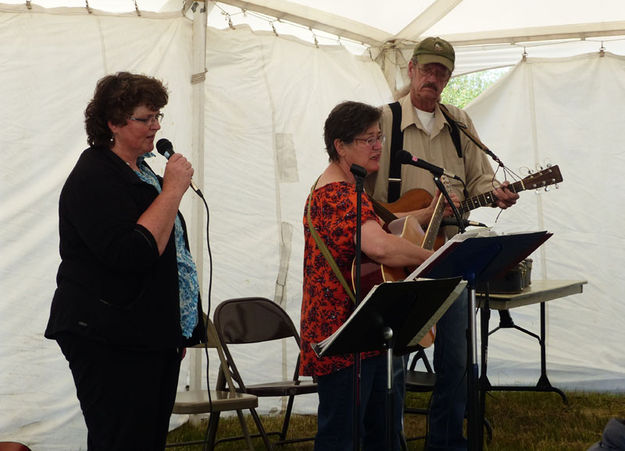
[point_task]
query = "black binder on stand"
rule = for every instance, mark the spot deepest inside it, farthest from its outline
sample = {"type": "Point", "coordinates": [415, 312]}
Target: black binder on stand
{"type": "Point", "coordinates": [486, 256]}
{"type": "Point", "coordinates": [478, 256]}
{"type": "Point", "coordinates": [409, 308]}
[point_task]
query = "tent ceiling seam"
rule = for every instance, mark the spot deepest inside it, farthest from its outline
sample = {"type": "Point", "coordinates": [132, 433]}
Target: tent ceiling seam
{"type": "Point", "coordinates": [553, 33]}
{"type": "Point", "coordinates": [314, 18]}
{"type": "Point", "coordinates": [428, 18]}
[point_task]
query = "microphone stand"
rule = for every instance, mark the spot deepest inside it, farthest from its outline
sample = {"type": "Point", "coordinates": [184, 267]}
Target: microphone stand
{"type": "Point", "coordinates": [441, 187]}
{"type": "Point", "coordinates": [359, 174]}
{"type": "Point", "coordinates": [463, 128]}
{"type": "Point", "coordinates": [473, 398]}
{"type": "Point", "coordinates": [483, 147]}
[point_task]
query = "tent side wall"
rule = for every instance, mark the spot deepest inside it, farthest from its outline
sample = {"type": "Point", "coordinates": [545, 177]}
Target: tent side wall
{"type": "Point", "coordinates": [566, 112]}
{"type": "Point", "coordinates": [266, 98]}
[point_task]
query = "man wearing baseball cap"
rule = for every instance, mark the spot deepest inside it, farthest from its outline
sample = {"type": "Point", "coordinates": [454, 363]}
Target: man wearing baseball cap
{"type": "Point", "coordinates": [419, 124]}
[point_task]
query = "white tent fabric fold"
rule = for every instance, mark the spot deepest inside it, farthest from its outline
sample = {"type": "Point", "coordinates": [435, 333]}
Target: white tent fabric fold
{"type": "Point", "coordinates": [266, 98]}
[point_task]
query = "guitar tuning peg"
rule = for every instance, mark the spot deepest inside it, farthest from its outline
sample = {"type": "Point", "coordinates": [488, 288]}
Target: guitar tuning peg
{"type": "Point", "coordinates": [546, 189]}
{"type": "Point", "coordinates": [556, 186]}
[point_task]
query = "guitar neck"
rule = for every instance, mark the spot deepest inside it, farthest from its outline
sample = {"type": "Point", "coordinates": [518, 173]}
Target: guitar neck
{"type": "Point", "coordinates": [435, 224]}
{"type": "Point", "coordinates": [486, 199]}
{"type": "Point", "coordinates": [415, 199]}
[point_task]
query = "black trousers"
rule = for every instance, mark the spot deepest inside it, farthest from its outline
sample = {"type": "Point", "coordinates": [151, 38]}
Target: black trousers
{"type": "Point", "coordinates": [126, 395]}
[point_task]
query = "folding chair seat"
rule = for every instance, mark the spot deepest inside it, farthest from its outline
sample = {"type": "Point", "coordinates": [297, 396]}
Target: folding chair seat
{"type": "Point", "coordinates": [214, 402]}
{"type": "Point", "coordinates": [260, 320]}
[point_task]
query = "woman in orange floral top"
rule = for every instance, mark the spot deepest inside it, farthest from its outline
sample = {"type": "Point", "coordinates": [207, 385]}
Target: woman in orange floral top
{"type": "Point", "coordinates": [352, 136]}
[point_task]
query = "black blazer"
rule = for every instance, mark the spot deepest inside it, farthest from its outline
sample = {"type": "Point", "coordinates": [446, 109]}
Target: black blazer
{"type": "Point", "coordinates": [112, 285]}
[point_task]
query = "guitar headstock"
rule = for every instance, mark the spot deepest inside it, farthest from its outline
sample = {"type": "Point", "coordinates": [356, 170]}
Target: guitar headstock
{"type": "Point", "coordinates": [546, 177]}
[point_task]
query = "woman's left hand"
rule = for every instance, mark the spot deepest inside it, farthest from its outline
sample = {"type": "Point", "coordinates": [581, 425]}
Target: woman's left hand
{"type": "Point", "coordinates": [448, 211]}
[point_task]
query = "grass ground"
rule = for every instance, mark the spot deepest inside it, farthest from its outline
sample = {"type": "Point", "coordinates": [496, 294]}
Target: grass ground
{"type": "Point", "coordinates": [520, 421]}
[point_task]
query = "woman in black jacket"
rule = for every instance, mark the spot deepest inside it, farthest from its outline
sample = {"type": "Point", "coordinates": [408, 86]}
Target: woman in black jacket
{"type": "Point", "coordinates": [127, 299]}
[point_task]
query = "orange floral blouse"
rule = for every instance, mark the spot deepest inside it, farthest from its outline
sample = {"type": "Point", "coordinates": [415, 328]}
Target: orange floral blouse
{"type": "Point", "coordinates": [325, 304]}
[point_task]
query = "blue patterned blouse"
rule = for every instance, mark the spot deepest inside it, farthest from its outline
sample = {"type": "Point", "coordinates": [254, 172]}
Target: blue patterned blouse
{"type": "Point", "coordinates": [187, 274]}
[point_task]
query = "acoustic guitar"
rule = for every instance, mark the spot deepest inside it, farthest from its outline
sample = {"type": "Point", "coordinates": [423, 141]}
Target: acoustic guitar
{"type": "Point", "coordinates": [408, 228]}
{"type": "Point", "coordinates": [373, 273]}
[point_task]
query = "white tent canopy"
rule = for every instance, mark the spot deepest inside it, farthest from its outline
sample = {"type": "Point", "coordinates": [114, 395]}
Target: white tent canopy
{"type": "Point", "coordinates": [252, 124]}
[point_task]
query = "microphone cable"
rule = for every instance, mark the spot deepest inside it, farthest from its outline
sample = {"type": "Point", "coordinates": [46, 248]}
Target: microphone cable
{"type": "Point", "coordinates": [165, 148]}
{"type": "Point", "coordinates": [208, 309]}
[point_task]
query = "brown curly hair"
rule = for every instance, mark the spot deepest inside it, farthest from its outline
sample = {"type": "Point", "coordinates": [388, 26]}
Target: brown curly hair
{"type": "Point", "coordinates": [115, 98]}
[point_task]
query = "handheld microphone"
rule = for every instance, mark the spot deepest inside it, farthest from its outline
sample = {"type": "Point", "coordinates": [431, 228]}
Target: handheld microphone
{"type": "Point", "coordinates": [166, 149]}
{"type": "Point", "coordinates": [406, 157]}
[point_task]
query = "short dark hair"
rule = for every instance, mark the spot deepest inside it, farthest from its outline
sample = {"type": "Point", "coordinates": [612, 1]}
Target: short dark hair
{"type": "Point", "coordinates": [346, 121]}
{"type": "Point", "coordinates": [115, 98]}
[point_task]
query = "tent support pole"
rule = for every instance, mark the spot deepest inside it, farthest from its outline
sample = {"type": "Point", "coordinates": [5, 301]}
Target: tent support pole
{"type": "Point", "coordinates": [200, 20]}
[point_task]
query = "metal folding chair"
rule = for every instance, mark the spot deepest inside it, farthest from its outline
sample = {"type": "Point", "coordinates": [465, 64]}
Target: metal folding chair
{"type": "Point", "coordinates": [260, 320]}
{"type": "Point", "coordinates": [214, 402]}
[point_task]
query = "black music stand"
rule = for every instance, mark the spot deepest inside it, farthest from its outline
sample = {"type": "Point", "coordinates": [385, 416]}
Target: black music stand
{"type": "Point", "coordinates": [478, 258]}
{"type": "Point", "coordinates": [392, 317]}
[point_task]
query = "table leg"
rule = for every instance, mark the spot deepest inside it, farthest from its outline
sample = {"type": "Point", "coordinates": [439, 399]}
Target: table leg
{"type": "Point", "coordinates": [543, 384]}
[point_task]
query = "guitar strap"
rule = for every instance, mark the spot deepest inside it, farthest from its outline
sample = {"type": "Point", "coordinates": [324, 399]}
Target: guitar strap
{"type": "Point", "coordinates": [325, 251]}
{"type": "Point", "coordinates": [397, 143]}
{"type": "Point", "coordinates": [453, 129]}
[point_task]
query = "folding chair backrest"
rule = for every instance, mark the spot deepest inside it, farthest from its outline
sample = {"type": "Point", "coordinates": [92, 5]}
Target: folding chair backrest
{"type": "Point", "coordinates": [213, 342]}
{"type": "Point", "coordinates": [253, 320]}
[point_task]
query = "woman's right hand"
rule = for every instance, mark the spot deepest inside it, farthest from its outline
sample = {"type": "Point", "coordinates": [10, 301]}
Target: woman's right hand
{"type": "Point", "coordinates": [160, 216]}
{"type": "Point", "coordinates": [178, 173]}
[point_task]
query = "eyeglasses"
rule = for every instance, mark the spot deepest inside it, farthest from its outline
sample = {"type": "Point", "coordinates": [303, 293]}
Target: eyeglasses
{"type": "Point", "coordinates": [373, 140]}
{"type": "Point", "coordinates": [438, 72]}
{"type": "Point", "coordinates": [150, 120]}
